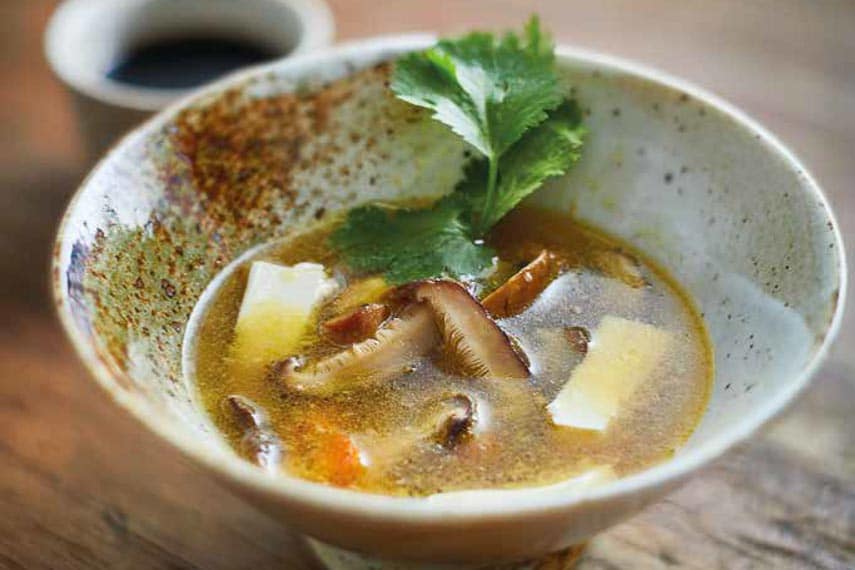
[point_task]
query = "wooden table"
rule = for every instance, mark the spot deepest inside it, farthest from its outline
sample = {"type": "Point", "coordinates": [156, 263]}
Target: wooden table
{"type": "Point", "coordinates": [84, 486]}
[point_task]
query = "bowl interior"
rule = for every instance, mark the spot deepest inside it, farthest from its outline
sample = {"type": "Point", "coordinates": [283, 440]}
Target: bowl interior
{"type": "Point", "coordinates": [699, 188]}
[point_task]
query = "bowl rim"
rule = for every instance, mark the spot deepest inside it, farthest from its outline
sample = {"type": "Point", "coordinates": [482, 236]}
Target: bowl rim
{"type": "Point", "coordinates": [519, 503]}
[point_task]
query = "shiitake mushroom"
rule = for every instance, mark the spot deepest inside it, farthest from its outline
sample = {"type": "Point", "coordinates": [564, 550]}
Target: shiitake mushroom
{"type": "Point", "coordinates": [477, 344]}
{"type": "Point", "coordinates": [385, 355]}
{"type": "Point", "coordinates": [457, 417]}
{"type": "Point", "coordinates": [520, 291]}
{"type": "Point", "coordinates": [258, 443]}
{"type": "Point", "coordinates": [355, 325]}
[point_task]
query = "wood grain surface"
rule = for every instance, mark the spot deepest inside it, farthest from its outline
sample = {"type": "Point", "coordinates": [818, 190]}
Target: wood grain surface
{"type": "Point", "coordinates": [84, 486]}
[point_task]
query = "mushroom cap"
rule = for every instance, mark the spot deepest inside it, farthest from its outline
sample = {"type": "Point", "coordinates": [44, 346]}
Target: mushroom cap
{"type": "Point", "coordinates": [479, 346]}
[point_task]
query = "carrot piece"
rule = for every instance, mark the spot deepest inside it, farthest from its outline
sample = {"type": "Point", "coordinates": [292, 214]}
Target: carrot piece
{"type": "Point", "coordinates": [339, 459]}
{"type": "Point", "coordinates": [327, 452]}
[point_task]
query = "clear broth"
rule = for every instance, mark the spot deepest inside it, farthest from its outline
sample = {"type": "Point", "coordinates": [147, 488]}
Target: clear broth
{"type": "Point", "coordinates": [519, 446]}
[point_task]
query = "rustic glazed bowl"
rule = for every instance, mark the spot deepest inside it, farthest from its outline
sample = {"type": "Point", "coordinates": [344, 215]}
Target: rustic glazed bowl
{"type": "Point", "coordinates": [685, 177]}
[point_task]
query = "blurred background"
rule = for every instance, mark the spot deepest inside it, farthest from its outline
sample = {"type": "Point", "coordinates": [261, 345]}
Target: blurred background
{"type": "Point", "coordinates": [82, 486]}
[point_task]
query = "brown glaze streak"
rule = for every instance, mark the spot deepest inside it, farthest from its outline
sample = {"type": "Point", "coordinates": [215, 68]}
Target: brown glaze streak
{"type": "Point", "coordinates": [226, 166]}
{"type": "Point", "coordinates": [241, 143]}
{"type": "Point", "coordinates": [242, 151]}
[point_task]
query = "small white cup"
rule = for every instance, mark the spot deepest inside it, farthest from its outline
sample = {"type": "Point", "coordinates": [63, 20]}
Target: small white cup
{"type": "Point", "coordinates": [85, 39]}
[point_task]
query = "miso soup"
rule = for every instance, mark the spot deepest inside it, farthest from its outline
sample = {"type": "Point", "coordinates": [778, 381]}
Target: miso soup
{"type": "Point", "coordinates": [571, 353]}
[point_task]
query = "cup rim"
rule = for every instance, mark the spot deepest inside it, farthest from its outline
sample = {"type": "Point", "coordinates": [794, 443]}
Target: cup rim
{"type": "Point", "coordinates": [519, 503]}
{"type": "Point", "coordinates": [313, 16]}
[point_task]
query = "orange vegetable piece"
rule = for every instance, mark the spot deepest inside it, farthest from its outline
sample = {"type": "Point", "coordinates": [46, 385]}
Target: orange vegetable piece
{"type": "Point", "coordinates": [328, 452]}
{"type": "Point", "coordinates": [339, 459]}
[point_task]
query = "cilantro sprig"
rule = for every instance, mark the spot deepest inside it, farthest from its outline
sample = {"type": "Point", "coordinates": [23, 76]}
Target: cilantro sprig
{"type": "Point", "coordinates": [411, 244]}
{"type": "Point", "coordinates": [502, 96]}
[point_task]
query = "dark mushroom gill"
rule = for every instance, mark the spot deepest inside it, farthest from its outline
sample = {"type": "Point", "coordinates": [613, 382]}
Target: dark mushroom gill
{"type": "Point", "coordinates": [476, 343]}
{"type": "Point", "coordinates": [387, 354]}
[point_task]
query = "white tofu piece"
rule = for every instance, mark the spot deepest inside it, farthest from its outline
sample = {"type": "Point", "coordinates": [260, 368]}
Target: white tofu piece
{"type": "Point", "coordinates": [623, 354]}
{"type": "Point", "coordinates": [276, 310]}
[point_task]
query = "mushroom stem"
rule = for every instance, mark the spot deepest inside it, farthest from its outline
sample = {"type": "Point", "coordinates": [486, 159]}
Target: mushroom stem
{"type": "Point", "coordinates": [458, 421]}
{"type": "Point", "coordinates": [258, 444]}
{"type": "Point", "coordinates": [388, 354]}
{"type": "Point", "coordinates": [447, 423]}
{"type": "Point", "coordinates": [355, 325]}
{"type": "Point", "coordinates": [579, 339]}
{"type": "Point", "coordinates": [520, 291]}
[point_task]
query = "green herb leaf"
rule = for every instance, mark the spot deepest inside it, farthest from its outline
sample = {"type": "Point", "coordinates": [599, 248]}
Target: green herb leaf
{"type": "Point", "coordinates": [547, 150]}
{"type": "Point", "coordinates": [488, 90]}
{"type": "Point", "coordinates": [502, 96]}
{"type": "Point", "coordinates": [407, 245]}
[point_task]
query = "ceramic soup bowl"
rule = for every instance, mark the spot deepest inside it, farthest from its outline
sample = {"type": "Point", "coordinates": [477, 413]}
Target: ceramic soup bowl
{"type": "Point", "coordinates": [685, 177]}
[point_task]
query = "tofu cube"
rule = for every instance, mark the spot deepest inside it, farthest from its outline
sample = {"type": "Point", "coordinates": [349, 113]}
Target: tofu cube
{"type": "Point", "coordinates": [276, 310]}
{"type": "Point", "coordinates": [623, 354]}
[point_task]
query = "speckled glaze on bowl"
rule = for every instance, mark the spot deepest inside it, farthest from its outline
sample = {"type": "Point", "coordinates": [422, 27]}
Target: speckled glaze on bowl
{"type": "Point", "coordinates": [702, 189]}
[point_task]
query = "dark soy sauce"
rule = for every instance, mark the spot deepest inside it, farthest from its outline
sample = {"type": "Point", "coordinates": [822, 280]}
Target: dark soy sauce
{"type": "Point", "coordinates": [177, 63]}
